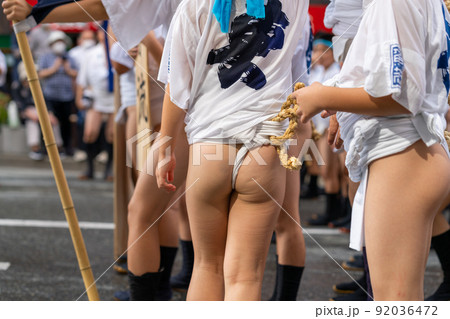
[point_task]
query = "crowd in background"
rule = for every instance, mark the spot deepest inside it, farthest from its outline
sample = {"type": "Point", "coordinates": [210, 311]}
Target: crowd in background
{"type": "Point", "coordinates": [71, 68]}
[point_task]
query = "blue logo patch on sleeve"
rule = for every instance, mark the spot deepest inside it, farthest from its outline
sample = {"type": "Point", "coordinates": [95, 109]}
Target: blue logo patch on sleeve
{"type": "Point", "coordinates": [396, 66]}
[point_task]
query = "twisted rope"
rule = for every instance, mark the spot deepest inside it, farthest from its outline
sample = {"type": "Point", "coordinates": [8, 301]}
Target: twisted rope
{"type": "Point", "coordinates": [288, 111]}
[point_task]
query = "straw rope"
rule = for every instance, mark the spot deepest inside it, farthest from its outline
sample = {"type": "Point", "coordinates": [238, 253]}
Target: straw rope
{"type": "Point", "coordinates": [288, 111]}
{"type": "Point", "coordinates": [315, 135]}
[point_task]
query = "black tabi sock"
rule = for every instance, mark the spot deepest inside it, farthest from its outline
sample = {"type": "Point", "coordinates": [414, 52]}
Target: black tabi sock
{"type": "Point", "coordinates": [367, 275]}
{"type": "Point", "coordinates": [92, 151]}
{"type": "Point", "coordinates": [274, 294]}
{"type": "Point", "coordinates": [167, 259]}
{"type": "Point", "coordinates": [288, 282]}
{"type": "Point", "coordinates": [441, 245]}
{"type": "Point", "coordinates": [145, 287]}
{"type": "Point", "coordinates": [109, 150]}
{"type": "Point", "coordinates": [333, 206]}
{"type": "Point", "coordinates": [183, 278]}
{"type": "Point", "coordinates": [312, 183]}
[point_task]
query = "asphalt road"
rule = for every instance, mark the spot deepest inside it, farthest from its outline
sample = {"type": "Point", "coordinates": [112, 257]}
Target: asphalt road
{"type": "Point", "coordinates": [37, 259]}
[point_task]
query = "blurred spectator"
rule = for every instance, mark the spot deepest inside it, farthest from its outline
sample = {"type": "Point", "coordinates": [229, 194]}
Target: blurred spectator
{"type": "Point", "coordinates": [23, 98]}
{"type": "Point", "coordinates": [38, 41]}
{"type": "Point", "coordinates": [85, 41]}
{"type": "Point", "coordinates": [58, 71]}
{"type": "Point", "coordinates": [95, 75]}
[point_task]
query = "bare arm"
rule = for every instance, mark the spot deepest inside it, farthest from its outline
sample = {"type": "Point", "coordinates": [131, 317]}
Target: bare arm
{"type": "Point", "coordinates": [78, 96]}
{"type": "Point", "coordinates": [171, 124]}
{"type": "Point", "coordinates": [81, 11]}
{"type": "Point", "coordinates": [120, 68]}
{"type": "Point", "coordinates": [69, 71]}
{"type": "Point", "coordinates": [45, 73]}
{"type": "Point", "coordinates": [154, 47]}
{"type": "Point", "coordinates": [315, 98]}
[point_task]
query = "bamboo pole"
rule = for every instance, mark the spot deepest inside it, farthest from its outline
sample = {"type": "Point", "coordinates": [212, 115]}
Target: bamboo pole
{"type": "Point", "coordinates": [143, 115]}
{"type": "Point", "coordinates": [58, 172]}
{"type": "Point", "coordinates": [121, 181]}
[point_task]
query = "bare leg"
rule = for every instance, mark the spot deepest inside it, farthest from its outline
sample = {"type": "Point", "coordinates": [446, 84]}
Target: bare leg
{"type": "Point", "coordinates": [290, 241]}
{"type": "Point", "coordinates": [329, 171]}
{"type": "Point", "coordinates": [208, 205]}
{"type": "Point", "coordinates": [405, 191]}
{"type": "Point", "coordinates": [92, 125]}
{"type": "Point", "coordinates": [168, 226]}
{"type": "Point", "coordinates": [130, 131]}
{"type": "Point", "coordinates": [253, 215]}
{"type": "Point", "coordinates": [146, 206]}
{"type": "Point", "coordinates": [440, 224]}
{"type": "Point", "coordinates": [183, 221]}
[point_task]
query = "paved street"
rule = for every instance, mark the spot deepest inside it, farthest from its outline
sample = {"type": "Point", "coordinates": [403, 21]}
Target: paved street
{"type": "Point", "coordinates": [37, 259]}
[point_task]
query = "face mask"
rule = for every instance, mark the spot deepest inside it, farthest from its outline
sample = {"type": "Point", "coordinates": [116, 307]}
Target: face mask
{"type": "Point", "coordinates": [87, 43]}
{"type": "Point", "coordinates": [58, 48]}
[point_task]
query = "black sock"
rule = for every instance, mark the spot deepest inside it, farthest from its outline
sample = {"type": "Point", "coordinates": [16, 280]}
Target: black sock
{"type": "Point", "coordinates": [183, 278]}
{"type": "Point", "coordinates": [109, 150]}
{"type": "Point", "coordinates": [91, 150]}
{"type": "Point", "coordinates": [274, 294]}
{"type": "Point", "coordinates": [312, 183]}
{"type": "Point", "coordinates": [367, 275]}
{"type": "Point", "coordinates": [167, 258]}
{"type": "Point", "coordinates": [441, 244]}
{"type": "Point", "coordinates": [145, 287]}
{"type": "Point", "coordinates": [333, 206]}
{"type": "Point", "coordinates": [288, 282]}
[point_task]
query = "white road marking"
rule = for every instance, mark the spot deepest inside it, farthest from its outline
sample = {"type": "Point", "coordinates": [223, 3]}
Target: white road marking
{"type": "Point", "coordinates": [110, 226]}
{"type": "Point", "coordinates": [4, 265]}
{"type": "Point", "coordinates": [52, 224]}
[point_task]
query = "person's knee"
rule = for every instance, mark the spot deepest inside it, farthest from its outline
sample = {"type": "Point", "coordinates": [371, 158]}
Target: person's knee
{"type": "Point", "coordinates": [209, 263]}
{"type": "Point", "coordinates": [89, 137]}
{"type": "Point", "coordinates": [138, 214]}
{"type": "Point", "coordinates": [242, 275]}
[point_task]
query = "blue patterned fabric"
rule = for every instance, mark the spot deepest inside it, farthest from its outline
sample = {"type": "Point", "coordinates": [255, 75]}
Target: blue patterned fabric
{"type": "Point", "coordinates": [222, 11]}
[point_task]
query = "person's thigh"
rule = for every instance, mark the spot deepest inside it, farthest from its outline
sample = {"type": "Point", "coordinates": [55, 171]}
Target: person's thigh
{"type": "Point", "coordinates": [255, 207]}
{"type": "Point", "coordinates": [404, 193]}
{"type": "Point", "coordinates": [92, 126]}
{"type": "Point", "coordinates": [147, 206]}
{"type": "Point", "coordinates": [208, 186]}
{"type": "Point", "coordinates": [207, 200]}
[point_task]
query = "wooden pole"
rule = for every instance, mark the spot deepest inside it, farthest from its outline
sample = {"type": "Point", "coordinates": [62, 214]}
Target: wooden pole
{"type": "Point", "coordinates": [58, 172]}
{"type": "Point", "coordinates": [121, 181]}
{"type": "Point", "coordinates": [142, 107]}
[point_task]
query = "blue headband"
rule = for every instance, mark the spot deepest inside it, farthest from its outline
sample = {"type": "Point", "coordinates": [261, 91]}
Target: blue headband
{"type": "Point", "coordinates": [222, 11]}
{"type": "Point", "coordinates": [324, 42]}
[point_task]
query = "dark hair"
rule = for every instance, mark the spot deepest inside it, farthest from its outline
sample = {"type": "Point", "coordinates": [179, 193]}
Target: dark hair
{"type": "Point", "coordinates": [323, 36]}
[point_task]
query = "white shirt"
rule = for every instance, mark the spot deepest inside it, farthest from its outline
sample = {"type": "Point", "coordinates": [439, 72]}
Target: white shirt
{"type": "Point", "coordinates": [320, 74]}
{"type": "Point", "coordinates": [401, 55]}
{"type": "Point", "coordinates": [301, 62]}
{"type": "Point", "coordinates": [251, 86]}
{"type": "Point", "coordinates": [344, 17]}
{"type": "Point", "coordinates": [131, 20]}
{"type": "Point", "coordinates": [93, 74]}
{"type": "Point", "coordinates": [401, 49]}
{"type": "Point", "coordinates": [3, 69]}
{"type": "Point", "coordinates": [128, 82]}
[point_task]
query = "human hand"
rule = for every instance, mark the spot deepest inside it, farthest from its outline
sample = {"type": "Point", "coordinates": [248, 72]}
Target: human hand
{"type": "Point", "coordinates": [67, 66]}
{"type": "Point", "coordinates": [334, 133]}
{"type": "Point", "coordinates": [57, 64]}
{"type": "Point", "coordinates": [16, 10]}
{"type": "Point", "coordinates": [165, 171]}
{"type": "Point", "coordinates": [133, 52]}
{"type": "Point", "coordinates": [308, 100]}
